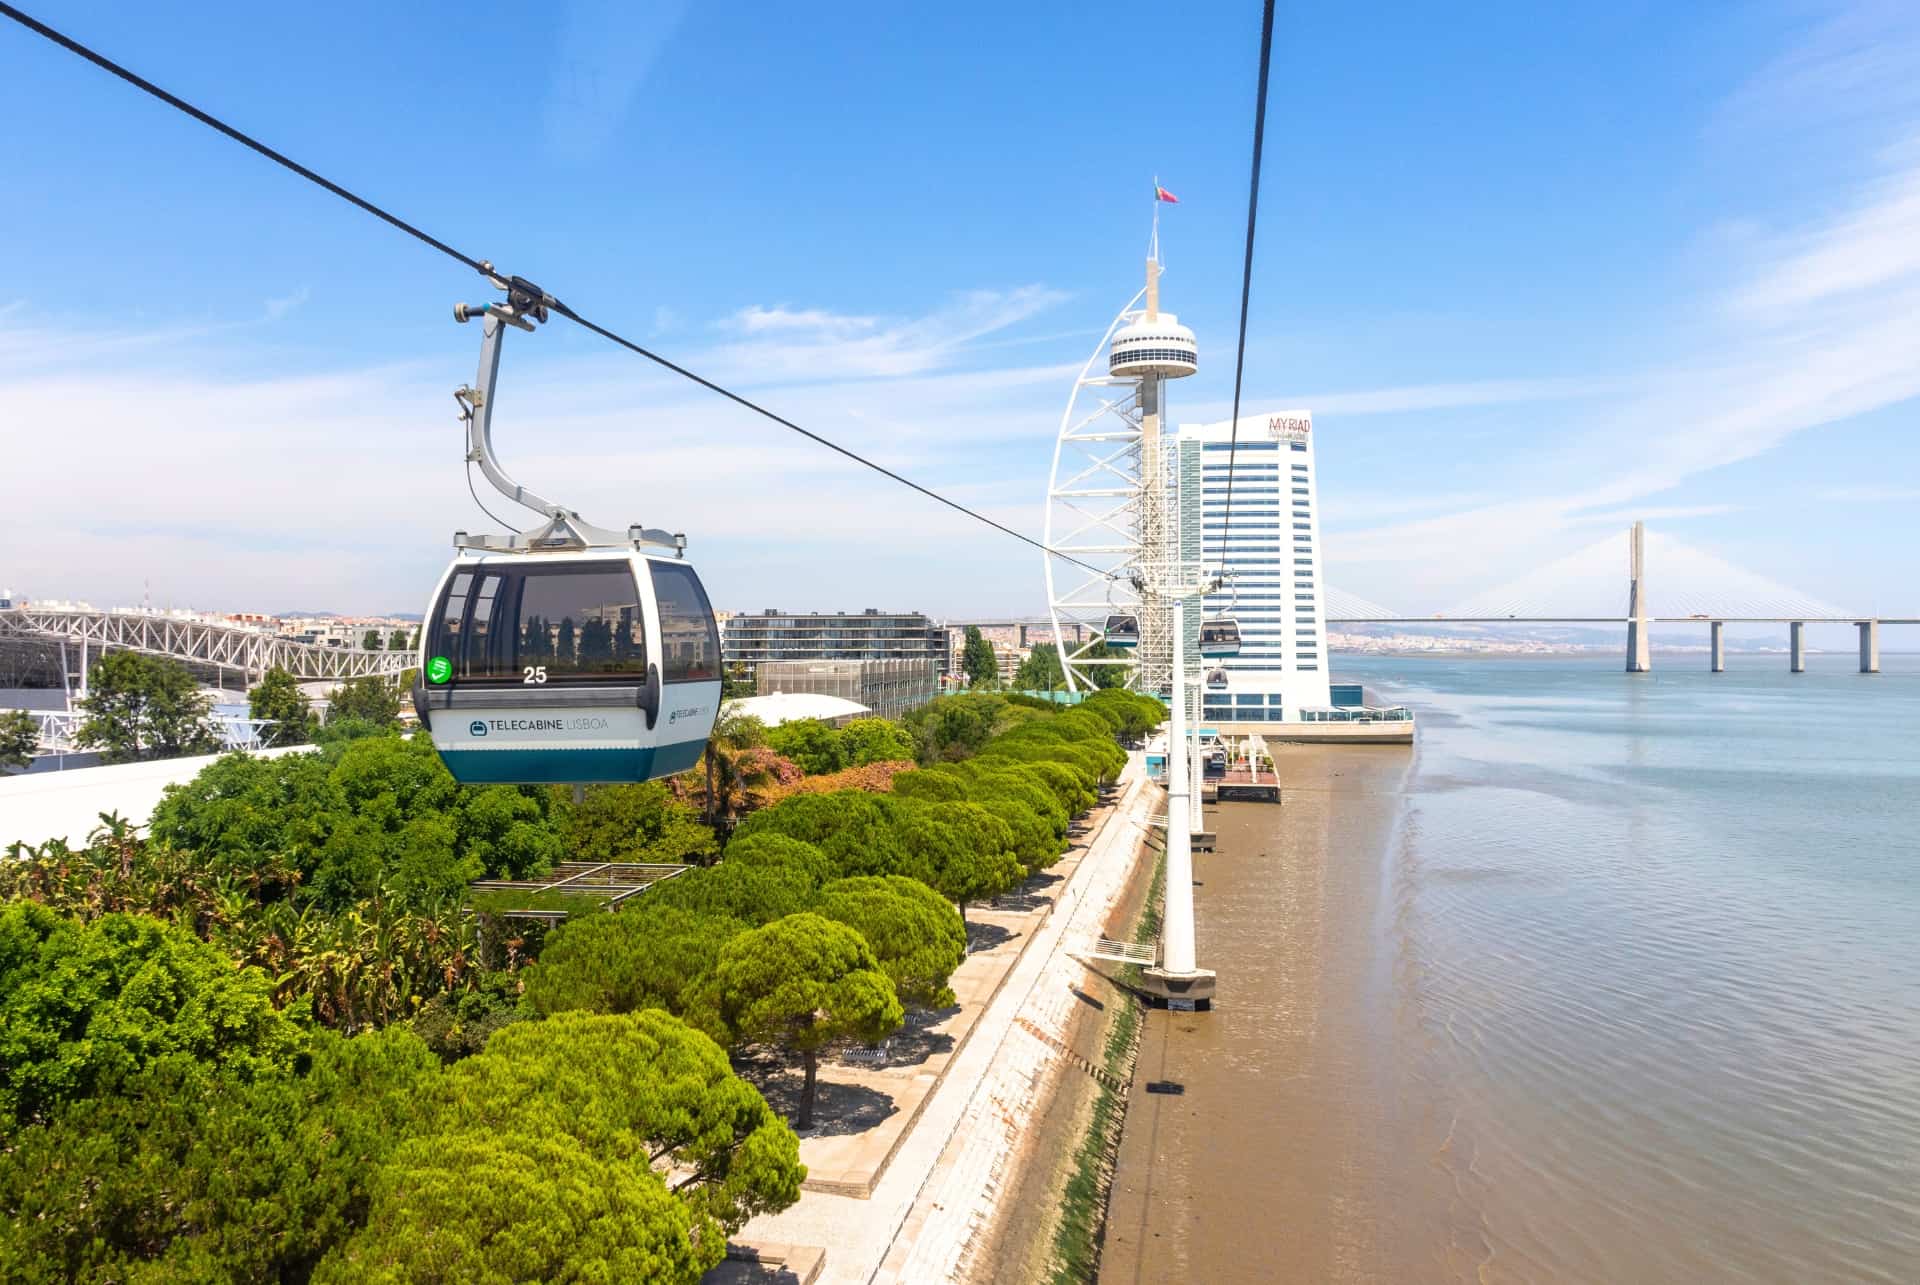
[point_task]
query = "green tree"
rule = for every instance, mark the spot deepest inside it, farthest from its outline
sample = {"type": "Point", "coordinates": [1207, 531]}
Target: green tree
{"type": "Point", "coordinates": [961, 851]}
{"type": "Point", "coordinates": [374, 698]}
{"type": "Point", "coordinates": [144, 707]}
{"type": "Point", "coordinates": [1035, 846]}
{"type": "Point", "coordinates": [399, 640]}
{"type": "Point", "coordinates": [278, 697]}
{"type": "Point", "coordinates": [1105, 676]}
{"type": "Point", "coordinates": [370, 641]}
{"type": "Point", "coordinates": [768, 848]}
{"type": "Point", "coordinates": [855, 830]}
{"type": "Point", "coordinates": [800, 983]}
{"type": "Point", "coordinates": [876, 740]}
{"type": "Point", "coordinates": [948, 728]}
{"type": "Point", "coordinates": [550, 1159]}
{"type": "Point", "coordinates": [1040, 671]}
{"type": "Point", "coordinates": [85, 1005]}
{"type": "Point", "coordinates": [916, 934]}
{"type": "Point", "coordinates": [508, 831]}
{"type": "Point", "coordinates": [519, 1205]}
{"type": "Point", "coordinates": [811, 743]}
{"type": "Point", "coordinates": [19, 739]}
{"type": "Point", "coordinates": [458, 1023]}
{"type": "Point", "coordinates": [241, 814]}
{"type": "Point", "coordinates": [647, 957]}
{"type": "Point", "coordinates": [1131, 714]}
{"type": "Point", "coordinates": [747, 891]}
{"type": "Point", "coordinates": [932, 786]}
{"type": "Point", "coordinates": [978, 661]}
{"type": "Point", "coordinates": [186, 1177]}
{"type": "Point", "coordinates": [379, 817]}
{"type": "Point", "coordinates": [640, 822]}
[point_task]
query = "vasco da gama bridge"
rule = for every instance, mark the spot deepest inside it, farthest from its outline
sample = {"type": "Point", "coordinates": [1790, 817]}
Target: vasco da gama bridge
{"type": "Point", "coordinates": [1703, 589]}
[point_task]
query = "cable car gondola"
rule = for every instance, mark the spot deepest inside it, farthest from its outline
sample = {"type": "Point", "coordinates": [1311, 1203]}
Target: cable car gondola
{"type": "Point", "coordinates": [1220, 636]}
{"type": "Point", "coordinates": [1216, 678]}
{"type": "Point", "coordinates": [568, 653]}
{"type": "Point", "coordinates": [1123, 630]}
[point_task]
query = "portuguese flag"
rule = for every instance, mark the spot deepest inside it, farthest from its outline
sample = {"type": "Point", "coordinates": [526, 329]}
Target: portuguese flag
{"type": "Point", "coordinates": [1161, 194]}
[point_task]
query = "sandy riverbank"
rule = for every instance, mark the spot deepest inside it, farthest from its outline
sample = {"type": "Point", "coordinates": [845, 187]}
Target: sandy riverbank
{"type": "Point", "coordinates": [1279, 1159]}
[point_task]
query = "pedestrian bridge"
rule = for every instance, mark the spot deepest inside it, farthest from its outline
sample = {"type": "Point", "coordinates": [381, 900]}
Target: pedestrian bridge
{"type": "Point", "coordinates": [216, 644]}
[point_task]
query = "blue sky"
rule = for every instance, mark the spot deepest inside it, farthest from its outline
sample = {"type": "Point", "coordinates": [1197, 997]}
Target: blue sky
{"type": "Point", "coordinates": [1537, 270]}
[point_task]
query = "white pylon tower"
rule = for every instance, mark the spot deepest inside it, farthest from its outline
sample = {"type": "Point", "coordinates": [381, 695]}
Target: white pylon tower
{"type": "Point", "coordinates": [1172, 589]}
{"type": "Point", "coordinates": [1112, 498]}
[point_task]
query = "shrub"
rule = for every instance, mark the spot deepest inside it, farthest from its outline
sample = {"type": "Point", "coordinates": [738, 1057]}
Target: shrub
{"type": "Point", "coordinates": [85, 1006]}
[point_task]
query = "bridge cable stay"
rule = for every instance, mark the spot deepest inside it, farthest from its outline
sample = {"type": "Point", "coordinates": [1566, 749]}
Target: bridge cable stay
{"type": "Point", "coordinates": [1345, 606]}
{"type": "Point", "coordinates": [1589, 583]}
{"type": "Point", "coordinates": [487, 270]}
{"type": "Point", "coordinates": [1246, 267]}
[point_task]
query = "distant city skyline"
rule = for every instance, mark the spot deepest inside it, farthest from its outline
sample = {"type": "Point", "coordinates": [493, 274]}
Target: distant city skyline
{"type": "Point", "coordinates": [1535, 275]}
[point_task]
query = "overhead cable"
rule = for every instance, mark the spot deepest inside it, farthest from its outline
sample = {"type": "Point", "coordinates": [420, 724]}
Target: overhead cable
{"type": "Point", "coordinates": [1246, 270]}
{"type": "Point", "coordinates": [478, 265]}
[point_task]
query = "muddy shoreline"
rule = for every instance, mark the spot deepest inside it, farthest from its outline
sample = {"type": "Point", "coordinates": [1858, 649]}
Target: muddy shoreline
{"type": "Point", "coordinates": [1284, 1156]}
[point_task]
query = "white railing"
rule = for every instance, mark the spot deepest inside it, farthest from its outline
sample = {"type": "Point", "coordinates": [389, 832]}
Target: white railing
{"type": "Point", "coordinates": [60, 731]}
{"type": "Point", "coordinates": [1122, 952]}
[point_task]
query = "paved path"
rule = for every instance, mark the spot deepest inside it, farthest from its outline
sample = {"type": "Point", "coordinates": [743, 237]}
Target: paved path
{"type": "Point", "coordinates": [922, 1218]}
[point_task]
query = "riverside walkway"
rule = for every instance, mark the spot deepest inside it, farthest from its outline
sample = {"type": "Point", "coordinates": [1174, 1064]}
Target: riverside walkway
{"type": "Point", "coordinates": [939, 1191]}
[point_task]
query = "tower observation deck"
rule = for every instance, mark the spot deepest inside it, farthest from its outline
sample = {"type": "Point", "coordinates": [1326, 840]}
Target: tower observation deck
{"type": "Point", "coordinates": [1113, 500]}
{"type": "Point", "coordinates": [1158, 346]}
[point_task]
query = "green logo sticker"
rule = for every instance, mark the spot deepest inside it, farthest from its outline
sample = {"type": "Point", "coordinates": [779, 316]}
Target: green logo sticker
{"type": "Point", "coordinates": [439, 669]}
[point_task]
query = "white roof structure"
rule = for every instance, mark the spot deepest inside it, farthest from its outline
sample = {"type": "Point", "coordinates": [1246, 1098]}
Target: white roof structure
{"type": "Point", "coordinates": [788, 707]}
{"type": "Point", "coordinates": [38, 806]}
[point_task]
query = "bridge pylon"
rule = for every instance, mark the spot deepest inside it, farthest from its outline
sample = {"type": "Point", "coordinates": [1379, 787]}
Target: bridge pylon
{"type": "Point", "coordinates": [1639, 644]}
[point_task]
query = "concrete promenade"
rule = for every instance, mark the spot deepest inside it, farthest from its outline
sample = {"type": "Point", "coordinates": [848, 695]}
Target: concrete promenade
{"type": "Point", "coordinates": [939, 1191]}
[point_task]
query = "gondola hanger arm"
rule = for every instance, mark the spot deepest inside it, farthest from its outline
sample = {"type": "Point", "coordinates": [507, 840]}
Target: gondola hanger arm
{"type": "Point", "coordinates": [526, 306]}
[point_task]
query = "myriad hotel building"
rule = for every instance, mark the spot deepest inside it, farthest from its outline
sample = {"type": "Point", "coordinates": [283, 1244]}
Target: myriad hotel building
{"type": "Point", "coordinates": [1270, 546]}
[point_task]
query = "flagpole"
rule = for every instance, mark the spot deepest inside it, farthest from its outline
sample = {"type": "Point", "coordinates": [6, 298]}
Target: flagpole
{"type": "Point", "coordinates": [1153, 246]}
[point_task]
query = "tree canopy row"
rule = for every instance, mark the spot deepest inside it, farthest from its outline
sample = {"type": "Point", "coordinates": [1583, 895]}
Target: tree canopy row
{"type": "Point", "coordinates": [270, 1041]}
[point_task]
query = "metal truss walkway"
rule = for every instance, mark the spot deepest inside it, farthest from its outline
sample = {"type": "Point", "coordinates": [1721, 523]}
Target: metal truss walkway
{"type": "Point", "coordinates": [250, 650]}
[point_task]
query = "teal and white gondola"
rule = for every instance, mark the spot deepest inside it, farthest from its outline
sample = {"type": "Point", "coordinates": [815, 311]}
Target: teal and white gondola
{"type": "Point", "coordinates": [1219, 636]}
{"type": "Point", "coordinates": [568, 653]}
{"type": "Point", "coordinates": [569, 668]}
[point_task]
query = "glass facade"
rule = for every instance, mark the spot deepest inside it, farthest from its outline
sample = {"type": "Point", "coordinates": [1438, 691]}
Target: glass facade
{"type": "Point", "coordinates": [1276, 673]}
{"type": "Point", "coordinates": [868, 635]}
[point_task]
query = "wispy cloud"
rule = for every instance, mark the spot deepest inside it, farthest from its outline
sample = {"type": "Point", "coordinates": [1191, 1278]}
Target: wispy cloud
{"type": "Point", "coordinates": [1403, 399]}
{"type": "Point", "coordinates": [1818, 324]}
{"type": "Point", "coordinates": [340, 489]}
{"type": "Point", "coordinates": [756, 320]}
{"type": "Point", "coordinates": [1868, 494]}
{"type": "Point", "coordinates": [606, 48]}
{"type": "Point", "coordinates": [1874, 245]}
{"type": "Point", "coordinates": [1653, 513]}
{"type": "Point", "coordinates": [812, 343]}
{"type": "Point", "coordinates": [278, 308]}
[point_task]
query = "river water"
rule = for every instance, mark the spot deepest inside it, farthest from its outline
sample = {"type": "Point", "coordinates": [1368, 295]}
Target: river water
{"type": "Point", "coordinates": [1610, 979]}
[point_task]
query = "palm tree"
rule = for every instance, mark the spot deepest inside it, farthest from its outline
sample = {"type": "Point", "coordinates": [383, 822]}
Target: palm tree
{"type": "Point", "coordinates": [731, 770]}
